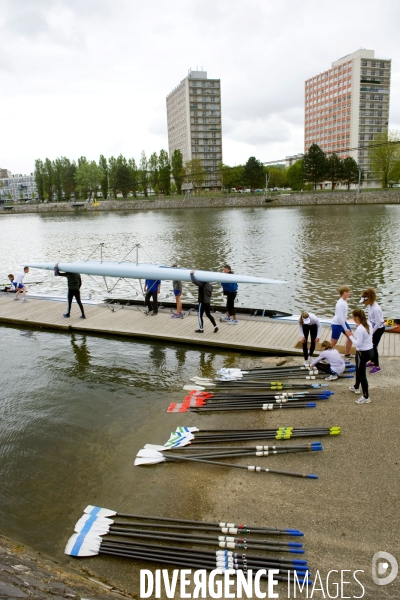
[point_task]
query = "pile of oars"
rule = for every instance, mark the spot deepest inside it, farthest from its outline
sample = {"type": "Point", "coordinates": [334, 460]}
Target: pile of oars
{"type": "Point", "coordinates": [95, 534]}
{"type": "Point", "coordinates": [198, 401]}
{"type": "Point", "coordinates": [184, 436]}
{"type": "Point", "coordinates": [228, 379]}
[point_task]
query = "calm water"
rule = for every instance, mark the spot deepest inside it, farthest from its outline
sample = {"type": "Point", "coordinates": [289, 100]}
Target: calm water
{"type": "Point", "coordinates": [75, 409]}
{"type": "Point", "coordinates": [316, 249]}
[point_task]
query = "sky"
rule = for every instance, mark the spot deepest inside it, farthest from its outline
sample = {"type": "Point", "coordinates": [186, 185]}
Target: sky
{"type": "Point", "coordinates": [90, 77]}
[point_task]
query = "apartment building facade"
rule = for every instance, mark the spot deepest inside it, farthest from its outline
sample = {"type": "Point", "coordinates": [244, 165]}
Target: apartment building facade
{"type": "Point", "coordinates": [347, 106]}
{"type": "Point", "coordinates": [17, 187]}
{"type": "Point", "coordinates": [195, 124]}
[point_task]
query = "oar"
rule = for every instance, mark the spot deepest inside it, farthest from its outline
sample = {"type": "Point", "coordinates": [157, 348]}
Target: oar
{"type": "Point", "coordinates": [94, 545]}
{"type": "Point", "coordinates": [147, 457]}
{"type": "Point", "coordinates": [237, 451]}
{"type": "Point", "coordinates": [97, 511]}
{"type": "Point", "coordinates": [102, 528]}
{"type": "Point", "coordinates": [217, 408]}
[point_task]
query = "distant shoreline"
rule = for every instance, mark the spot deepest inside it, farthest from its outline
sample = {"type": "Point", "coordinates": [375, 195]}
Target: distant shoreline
{"type": "Point", "coordinates": [228, 201]}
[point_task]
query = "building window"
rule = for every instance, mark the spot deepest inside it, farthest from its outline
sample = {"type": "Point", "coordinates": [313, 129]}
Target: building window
{"type": "Point", "coordinates": [362, 137]}
{"type": "Point", "coordinates": [364, 63]}
{"type": "Point", "coordinates": [363, 71]}
{"type": "Point", "coordinates": [382, 65]}
{"type": "Point", "coordinates": [380, 96]}
{"type": "Point", "coordinates": [372, 105]}
{"type": "Point", "coordinates": [381, 73]}
{"type": "Point", "coordinates": [371, 113]}
{"type": "Point", "coordinates": [363, 96]}
{"type": "Point", "coordinates": [373, 72]}
{"type": "Point", "coordinates": [362, 120]}
{"type": "Point", "coordinates": [379, 129]}
{"type": "Point", "coordinates": [362, 104]}
{"type": "Point", "coordinates": [379, 113]}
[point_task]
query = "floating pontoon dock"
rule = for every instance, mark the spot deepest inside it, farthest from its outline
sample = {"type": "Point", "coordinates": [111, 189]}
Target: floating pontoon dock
{"type": "Point", "coordinates": [252, 334]}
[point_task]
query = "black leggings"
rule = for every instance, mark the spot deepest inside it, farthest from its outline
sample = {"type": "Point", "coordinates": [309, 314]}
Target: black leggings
{"type": "Point", "coordinates": [376, 338]}
{"type": "Point", "coordinates": [362, 357]}
{"type": "Point", "coordinates": [204, 308]}
{"type": "Point", "coordinates": [312, 330]}
{"type": "Point", "coordinates": [77, 295]}
{"type": "Point", "coordinates": [230, 303]}
{"type": "Point", "coordinates": [151, 306]}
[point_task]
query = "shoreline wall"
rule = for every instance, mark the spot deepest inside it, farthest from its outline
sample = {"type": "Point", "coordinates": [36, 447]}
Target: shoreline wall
{"type": "Point", "coordinates": [237, 200]}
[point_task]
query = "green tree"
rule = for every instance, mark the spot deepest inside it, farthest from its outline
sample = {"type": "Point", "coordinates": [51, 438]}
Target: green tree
{"type": "Point", "coordinates": [123, 181]}
{"type": "Point", "coordinates": [88, 177]}
{"type": "Point", "coordinates": [178, 171]}
{"type": "Point", "coordinates": [254, 174]}
{"type": "Point", "coordinates": [314, 165]}
{"type": "Point", "coordinates": [164, 172]}
{"type": "Point", "coordinates": [143, 174]}
{"type": "Point", "coordinates": [103, 164]}
{"type": "Point", "coordinates": [195, 173]}
{"type": "Point", "coordinates": [295, 175]}
{"type": "Point", "coordinates": [48, 178]}
{"type": "Point", "coordinates": [58, 169]}
{"type": "Point", "coordinates": [153, 170]}
{"type": "Point", "coordinates": [39, 177]}
{"type": "Point", "coordinates": [112, 174]}
{"type": "Point", "coordinates": [68, 178]}
{"type": "Point", "coordinates": [133, 170]}
{"type": "Point", "coordinates": [350, 172]}
{"type": "Point", "coordinates": [384, 157]}
{"type": "Point", "coordinates": [276, 177]}
{"type": "Point", "coordinates": [334, 169]}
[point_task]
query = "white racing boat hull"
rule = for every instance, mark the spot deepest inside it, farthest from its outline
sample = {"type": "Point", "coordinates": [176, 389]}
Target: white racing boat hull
{"type": "Point", "coordinates": [147, 271]}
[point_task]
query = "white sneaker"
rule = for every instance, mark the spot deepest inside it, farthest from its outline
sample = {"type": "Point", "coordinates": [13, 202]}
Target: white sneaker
{"type": "Point", "coordinates": [363, 400]}
{"type": "Point", "coordinates": [331, 378]}
{"type": "Point", "coordinates": [306, 363]}
{"type": "Point", "coordinates": [353, 389]}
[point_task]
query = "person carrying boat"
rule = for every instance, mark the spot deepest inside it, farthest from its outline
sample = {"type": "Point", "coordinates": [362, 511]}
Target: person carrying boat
{"type": "Point", "coordinates": [309, 325]}
{"type": "Point", "coordinates": [339, 323]}
{"type": "Point", "coordinates": [362, 339]}
{"type": "Point", "coordinates": [204, 300]}
{"type": "Point", "coordinates": [74, 287]}
{"type": "Point", "coordinates": [19, 284]}
{"type": "Point", "coordinates": [177, 285]}
{"type": "Point", "coordinates": [375, 317]}
{"type": "Point", "coordinates": [152, 289]}
{"type": "Point", "coordinates": [230, 291]}
{"type": "Point", "coordinates": [336, 364]}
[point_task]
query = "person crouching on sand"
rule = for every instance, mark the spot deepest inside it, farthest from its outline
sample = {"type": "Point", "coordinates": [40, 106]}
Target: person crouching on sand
{"type": "Point", "coordinates": [336, 364]}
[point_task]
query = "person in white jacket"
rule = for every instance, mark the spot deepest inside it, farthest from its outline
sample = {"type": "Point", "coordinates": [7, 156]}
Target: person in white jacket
{"type": "Point", "coordinates": [339, 322]}
{"type": "Point", "coordinates": [309, 325]}
{"type": "Point", "coordinates": [336, 364]}
{"type": "Point", "coordinates": [375, 317]}
{"type": "Point", "coordinates": [362, 338]}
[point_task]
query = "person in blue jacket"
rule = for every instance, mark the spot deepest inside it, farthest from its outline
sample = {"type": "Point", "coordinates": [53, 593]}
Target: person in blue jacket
{"type": "Point", "coordinates": [152, 288]}
{"type": "Point", "coordinates": [230, 291]}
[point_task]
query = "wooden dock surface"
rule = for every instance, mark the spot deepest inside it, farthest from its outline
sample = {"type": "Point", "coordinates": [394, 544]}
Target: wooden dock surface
{"type": "Point", "coordinates": [254, 334]}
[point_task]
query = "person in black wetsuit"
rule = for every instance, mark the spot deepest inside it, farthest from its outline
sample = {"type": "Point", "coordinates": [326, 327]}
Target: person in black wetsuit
{"type": "Point", "coordinates": [204, 299]}
{"type": "Point", "coordinates": [74, 285]}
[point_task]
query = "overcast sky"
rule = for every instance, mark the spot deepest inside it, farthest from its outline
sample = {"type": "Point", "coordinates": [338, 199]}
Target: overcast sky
{"type": "Point", "coordinates": [90, 77]}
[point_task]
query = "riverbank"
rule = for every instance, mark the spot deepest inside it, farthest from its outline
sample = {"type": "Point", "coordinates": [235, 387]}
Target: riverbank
{"type": "Point", "coordinates": [217, 201]}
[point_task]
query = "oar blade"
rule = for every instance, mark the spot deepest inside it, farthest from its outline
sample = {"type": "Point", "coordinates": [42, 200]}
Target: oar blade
{"type": "Point", "coordinates": [80, 545]}
{"type": "Point", "coordinates": [99, 512]}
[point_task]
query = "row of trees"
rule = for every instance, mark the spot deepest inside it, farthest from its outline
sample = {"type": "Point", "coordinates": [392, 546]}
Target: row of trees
{"type": "Point", "coordinates": [63, 178]}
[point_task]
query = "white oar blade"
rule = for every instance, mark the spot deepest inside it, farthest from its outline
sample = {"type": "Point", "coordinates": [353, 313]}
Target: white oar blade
{"type": "Point", "coordinates": [147, 461]}
{"type": "Point", "coordinates": [197, 388]}
{"type": "Point", "coordinates": [186, 429]}
{"type": "Point", "coordinates": [155, 447]}
{"type": "Point", "coordinates": [89, 518]}
{"type": "Point", "coordinates": [95, 529]}
{"type": "Point", "coordinates": [99, 512]}
{"type": "Point", "coordinates": [200, 379]}
{"type": "Point", "coordinates": [79, 545]}
{"type": "Point", "coordinates": [145, 453]}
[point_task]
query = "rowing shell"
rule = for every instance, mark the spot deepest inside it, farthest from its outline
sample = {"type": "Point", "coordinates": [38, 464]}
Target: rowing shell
{"type": "Point", "coordinates": [130, 270]}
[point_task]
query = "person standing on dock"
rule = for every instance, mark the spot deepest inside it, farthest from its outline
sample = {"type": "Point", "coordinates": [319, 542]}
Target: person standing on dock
{"type": "Point", "coordinates": [375, 317]}
{"type": "Point", "coordinates": [19, 284]}
{"type": "Point", "coordinates": [309, 325]}
{"type": "Point", "coordinates": [339, 322]}
{"type": "Point", "coordinates": [152, 289]}
{"type": "Point", "coordinates": [74, 287]}
{"type": "Point", "coordinates": [177, 285]}
{"type": "Point", "coordinates": [362, 339]}
{"type": "Point", "coordinates": [230, 291]}
{"type": "Point", "coordinates": [204, 300]}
